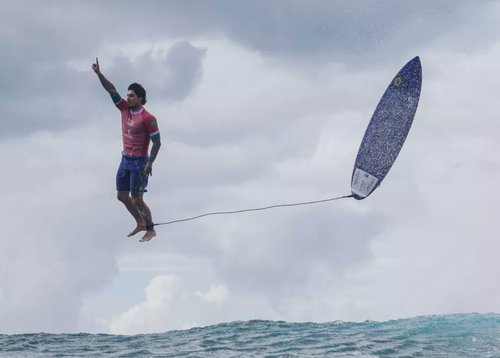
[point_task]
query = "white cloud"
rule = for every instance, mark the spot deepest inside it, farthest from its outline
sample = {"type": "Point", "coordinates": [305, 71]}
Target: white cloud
{"type": "Point", "coordinates": [217, 294]}
{"type": "Point", "coordinates": [185, 301]}
{"type": "Point", "coordinates": [55, 249]}
{"type": "Point", "coordinates": [153, 314]}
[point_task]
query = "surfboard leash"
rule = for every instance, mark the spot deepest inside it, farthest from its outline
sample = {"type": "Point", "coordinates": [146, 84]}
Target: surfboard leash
{"type": "Point", "coordinates": [253, 209]}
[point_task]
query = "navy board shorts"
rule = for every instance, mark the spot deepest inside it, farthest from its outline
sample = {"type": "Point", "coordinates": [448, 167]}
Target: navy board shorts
{"type": "Point", "coordinates": [129, 173]}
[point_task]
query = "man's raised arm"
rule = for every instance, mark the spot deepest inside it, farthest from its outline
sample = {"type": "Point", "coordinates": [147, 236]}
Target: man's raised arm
{"type": "Point", "coordinates": [108, 86]}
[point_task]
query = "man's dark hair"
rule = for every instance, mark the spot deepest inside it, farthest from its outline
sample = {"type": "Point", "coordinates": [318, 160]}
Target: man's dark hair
{"type": "Point", "coordinates": [139, 91]}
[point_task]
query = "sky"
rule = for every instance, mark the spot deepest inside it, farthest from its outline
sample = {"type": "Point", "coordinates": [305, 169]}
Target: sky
{"type": "Point", "coordinates": [258, 103]}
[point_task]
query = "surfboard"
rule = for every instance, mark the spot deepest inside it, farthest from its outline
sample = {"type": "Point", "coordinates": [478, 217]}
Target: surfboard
{"type": "Point", "coordinates": [387, 130]}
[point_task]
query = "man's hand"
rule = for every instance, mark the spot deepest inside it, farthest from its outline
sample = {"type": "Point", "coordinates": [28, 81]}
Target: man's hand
{"type": "Point", "coordinates": [148, 169]}
{"type": "Point", "coordinates": [95, 66]}
{"type": "Point", "coordinates": [108, 86]}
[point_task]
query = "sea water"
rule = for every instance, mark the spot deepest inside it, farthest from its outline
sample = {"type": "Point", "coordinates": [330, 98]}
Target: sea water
{"type": "Point", "coordinates": [460, 335]}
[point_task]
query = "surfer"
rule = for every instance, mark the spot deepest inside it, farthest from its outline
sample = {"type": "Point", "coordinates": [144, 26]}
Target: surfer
{"type": "Point", "coordinates": [138, 128]}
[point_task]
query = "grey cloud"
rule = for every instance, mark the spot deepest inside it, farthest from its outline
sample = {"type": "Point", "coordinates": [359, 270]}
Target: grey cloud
{"type": "Point", "coordinates": [325, 31]}
{"type": "Point", "coordinates": [184, 62]}
{"type": "Point", "coordinates": [52, 96]}
{"type": "Point", "coordinates": [281, 28]}
{"type": "Point", "coordinates": [171, 77]}
{"type": "Point", "coordinates": [322, 31]}
{"type": "Point", "coordinates": [54, 99]}
{"type": "Point", "coordinates": [38, 91]}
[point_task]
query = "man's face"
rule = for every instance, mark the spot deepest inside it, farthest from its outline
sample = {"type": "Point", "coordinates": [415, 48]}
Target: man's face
{"type": "Point", "coordinates": [132, 99]}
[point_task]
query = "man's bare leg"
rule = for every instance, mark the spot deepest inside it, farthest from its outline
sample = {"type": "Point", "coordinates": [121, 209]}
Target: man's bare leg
{"type": "Point", "coordinates": [125, 198]}
{"type": "Point", "coordinates": [137, 199]}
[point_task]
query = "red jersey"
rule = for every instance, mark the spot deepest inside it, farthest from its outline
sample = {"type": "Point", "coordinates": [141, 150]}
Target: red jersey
{"type": "Point", "coordinates": [137, 128]}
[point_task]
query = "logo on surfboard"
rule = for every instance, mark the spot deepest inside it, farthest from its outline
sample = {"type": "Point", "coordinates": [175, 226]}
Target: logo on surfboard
{"type": "Point", "coordinates": [398, 81]}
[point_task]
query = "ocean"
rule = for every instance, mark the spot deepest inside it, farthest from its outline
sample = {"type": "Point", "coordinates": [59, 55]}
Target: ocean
{"type": "Point", "coordinates": [459, 335]}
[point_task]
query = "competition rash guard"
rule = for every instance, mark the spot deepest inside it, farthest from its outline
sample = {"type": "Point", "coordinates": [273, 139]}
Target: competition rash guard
{"type": "Point", "coordinates": [137, 128]}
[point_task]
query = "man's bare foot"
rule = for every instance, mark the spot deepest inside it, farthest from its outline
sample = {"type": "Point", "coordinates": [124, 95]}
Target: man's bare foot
{"type": "Point", "coordinates": [139, 228]}
{"type": "Point", "coordinates": [148, 235]}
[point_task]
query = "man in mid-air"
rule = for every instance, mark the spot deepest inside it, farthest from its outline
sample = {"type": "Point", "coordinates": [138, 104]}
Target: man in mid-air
{"type": "Point", "coordinates": [138, 128]}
